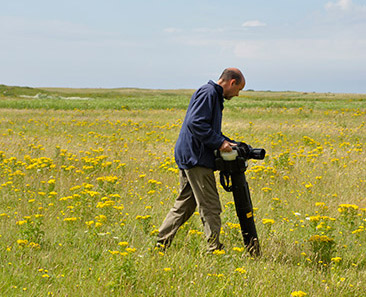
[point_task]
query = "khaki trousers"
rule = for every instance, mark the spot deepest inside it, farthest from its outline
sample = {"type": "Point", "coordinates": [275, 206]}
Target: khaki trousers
{"type": "Point", "coordinates": [197, 188]}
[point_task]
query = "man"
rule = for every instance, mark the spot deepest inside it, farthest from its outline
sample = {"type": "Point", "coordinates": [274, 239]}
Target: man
{"type": "Point", "coordinates": [199, 137]}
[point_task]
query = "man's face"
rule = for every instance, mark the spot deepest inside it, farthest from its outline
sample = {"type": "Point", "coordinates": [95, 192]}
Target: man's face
{"type": "Point", "coordinates": [233, 89]}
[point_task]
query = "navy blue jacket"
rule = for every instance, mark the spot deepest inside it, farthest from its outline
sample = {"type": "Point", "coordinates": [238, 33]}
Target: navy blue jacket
{"type": "Point", "coordinates": [201, 130]}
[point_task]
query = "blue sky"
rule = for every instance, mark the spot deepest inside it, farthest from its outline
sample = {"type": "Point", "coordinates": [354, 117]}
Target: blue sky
{"type": "Point", "coordinates": [311, 45]}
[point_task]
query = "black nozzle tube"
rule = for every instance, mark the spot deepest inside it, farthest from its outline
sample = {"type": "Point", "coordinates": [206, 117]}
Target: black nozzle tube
{"type": "Point", "coordinates": [257, 153]}
{"type": "Point", "coordinates": [244, 211]}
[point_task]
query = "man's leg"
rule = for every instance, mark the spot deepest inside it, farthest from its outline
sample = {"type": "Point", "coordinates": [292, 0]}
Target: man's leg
{"type": "Point", "coordinates": [203, 184]}
{"type": "Point", "coordinates": [182, 210]}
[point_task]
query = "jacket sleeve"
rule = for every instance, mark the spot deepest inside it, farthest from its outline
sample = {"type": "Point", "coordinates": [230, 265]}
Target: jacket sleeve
{"type": "Point", "coordinates": [228, 139]}
{"type": "Point", "coordinates": [200, 120]}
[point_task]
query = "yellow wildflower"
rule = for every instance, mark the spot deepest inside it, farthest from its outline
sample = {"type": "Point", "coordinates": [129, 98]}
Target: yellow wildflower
{"type": "Point", "coordinates": [336, 259]}
{"type": "Point", "coordinates": [298, 294]}
{"type": "Point", "coordinates": [268, 221]}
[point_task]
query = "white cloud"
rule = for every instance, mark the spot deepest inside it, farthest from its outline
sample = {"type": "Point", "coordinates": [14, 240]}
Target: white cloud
{"type": "Point", "coordinates": [344, 5]}
{"type": "Point", "coordinates": [341, 4]}
{"type": "Point", "coordinates": [254, 23]}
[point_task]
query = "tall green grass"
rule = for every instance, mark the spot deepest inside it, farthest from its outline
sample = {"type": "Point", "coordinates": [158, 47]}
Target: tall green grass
{"type": "Point", "coordinates": [84, 189]}
{"type": "Point", "coordinates": [91, 99]}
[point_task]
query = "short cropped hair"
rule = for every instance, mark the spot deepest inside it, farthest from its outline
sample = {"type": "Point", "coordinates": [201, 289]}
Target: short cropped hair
{"type": "Point", "coordinates": [229, 74]}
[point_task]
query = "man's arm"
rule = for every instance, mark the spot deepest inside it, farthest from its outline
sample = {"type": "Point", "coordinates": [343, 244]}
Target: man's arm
{"type": "Point", "coordinates": [199, 121]}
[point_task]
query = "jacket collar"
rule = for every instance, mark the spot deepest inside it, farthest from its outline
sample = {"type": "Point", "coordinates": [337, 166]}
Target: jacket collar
{"type": "Point", "coordinates": [220, 92]}
{"type": "Point", "coordinates": [218, 88]}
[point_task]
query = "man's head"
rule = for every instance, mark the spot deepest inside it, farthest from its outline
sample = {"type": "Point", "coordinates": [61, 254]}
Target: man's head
{"type": "Point", "coordinates": [232, 81]}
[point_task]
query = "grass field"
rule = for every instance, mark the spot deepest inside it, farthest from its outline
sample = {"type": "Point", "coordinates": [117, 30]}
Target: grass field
{"type": "Point", "coordinates": [87, 177]}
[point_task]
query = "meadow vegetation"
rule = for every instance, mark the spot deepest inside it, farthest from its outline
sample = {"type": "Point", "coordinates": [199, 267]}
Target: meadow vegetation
{"type": "Point", "coordinates": [87, 176]}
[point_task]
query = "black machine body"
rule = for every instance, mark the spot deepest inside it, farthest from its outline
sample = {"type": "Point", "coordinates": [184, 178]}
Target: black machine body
{"type": "Point", "coordinates": [232, 167]}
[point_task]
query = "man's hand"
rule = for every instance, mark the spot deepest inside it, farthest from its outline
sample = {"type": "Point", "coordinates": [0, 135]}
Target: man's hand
{"type": "Point", "coordinates": [226, 146]}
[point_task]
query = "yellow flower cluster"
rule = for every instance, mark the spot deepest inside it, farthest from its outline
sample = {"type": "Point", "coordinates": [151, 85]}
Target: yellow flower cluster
{"type": "Point", "coordinates": [347, 207]}
{"type": "Point", "coordinates": [109, 179]}
{"type": "Point", "coordinates": [317, 218]}
{"type": "Point", "coordinates": [195, 232]}
{"type": "Point", "coordinates": [320, 238]}
{"type": "Point", "coordinates": [26, 243]}
{"type": "Point", "coordinates": [298, 294]}
{"type": "Point", "coordinates": [268, 221]}
{"type": "Point", "coordinates": [127, 250]}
